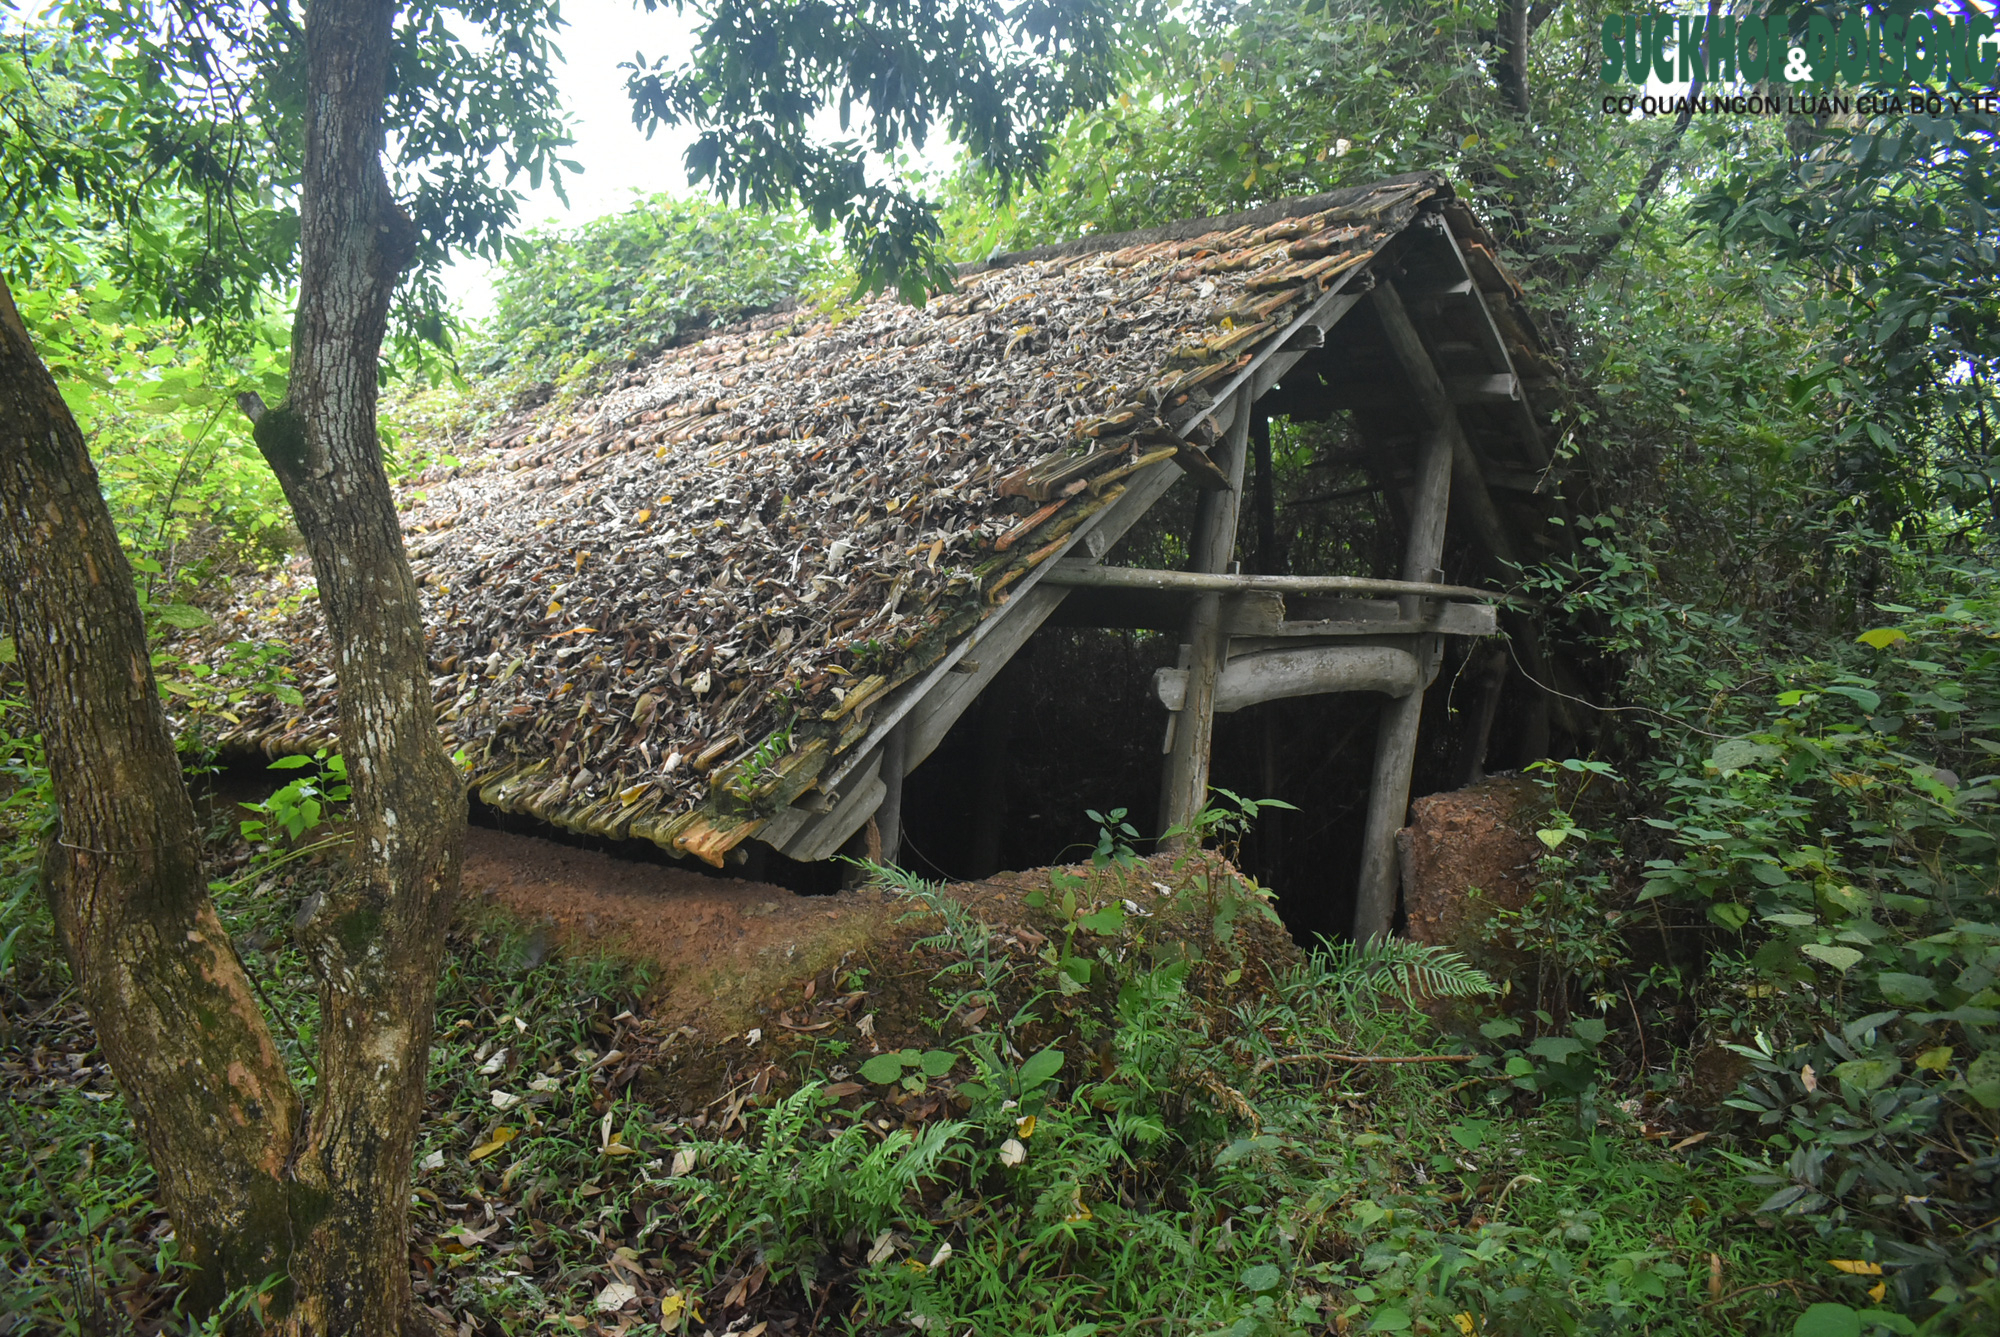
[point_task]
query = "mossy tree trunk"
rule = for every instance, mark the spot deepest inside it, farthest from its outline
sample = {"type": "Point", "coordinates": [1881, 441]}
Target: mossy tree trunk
{"type": "Point", "coordinates": [255, 1186]}
{"type": "Point", "coordinates": [165, 991]}
{"type": "Point", "coordinates": [377, 938]}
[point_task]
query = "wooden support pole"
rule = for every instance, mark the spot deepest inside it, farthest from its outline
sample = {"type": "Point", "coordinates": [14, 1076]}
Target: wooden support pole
{"type": "Point", "coordinates": [889, 816]}
{"type": "Point", "coordinates": [989, 804]}
{"type": "Point", "coordinates": [1184, 786]}
{"type": "Point", "coordinates": [1269, 563]}
{"type": "Point", "coordinates": [1396, 735]}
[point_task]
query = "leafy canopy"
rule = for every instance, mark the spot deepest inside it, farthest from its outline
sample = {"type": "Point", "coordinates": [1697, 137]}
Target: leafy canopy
{"type": "Point", "coordinates": [999, 78]}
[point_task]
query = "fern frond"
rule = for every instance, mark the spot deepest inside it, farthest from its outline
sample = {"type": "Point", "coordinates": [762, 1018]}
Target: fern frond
{"type": "Point", "coordinates": [1413, 970]}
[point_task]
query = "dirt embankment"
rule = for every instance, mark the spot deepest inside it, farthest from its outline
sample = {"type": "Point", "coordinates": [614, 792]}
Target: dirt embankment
{"type": "Point", "coordinates": [753, 986]}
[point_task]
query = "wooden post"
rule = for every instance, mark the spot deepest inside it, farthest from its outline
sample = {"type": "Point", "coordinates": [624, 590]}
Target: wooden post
{"type": "Point", "coordinates": [1269, 561]}
{"type": "Point", "coordinates": [989, 804]}
{"type": "Point", "coordinates": [889, 816]}
{"type": "Point", "coordinates": [1184, 787]}
{"type": "Point", "coordinates": [1396, 735]}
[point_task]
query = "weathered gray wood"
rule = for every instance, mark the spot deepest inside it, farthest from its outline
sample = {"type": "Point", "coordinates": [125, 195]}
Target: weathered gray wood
{"type": "Point", "coordinates": [1315, 670]}
{"type": "Point", "coordinates": [1474, 502]}
{"type": "Point", "coordinates": [1321, 316]}
{"type": "Point", "coordinates": [1492, 388]}
{"type": "Point", "coordinates": [1389, 801]}
{"type": "Point", "coordinates": [1077, 575]}
{"type": "Point", "coordinates": [823, 837]}
{"type": "Point", "coordinates": [1373, 618]}
{"type": "Point", "coordinates": [889, 813]}
{"type": "Point", "coordinates": [1498, 354]}
{"type": "Point", "coordinates": [1184, 785]}
{"type": "Point", "coordinates": [1396, 735]}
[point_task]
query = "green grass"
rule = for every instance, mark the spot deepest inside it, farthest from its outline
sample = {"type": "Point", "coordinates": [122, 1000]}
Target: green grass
{"type": "Point", "coordinates": [1206, 1161]}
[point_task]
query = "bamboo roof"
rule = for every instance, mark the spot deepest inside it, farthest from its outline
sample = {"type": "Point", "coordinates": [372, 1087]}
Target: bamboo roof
{"type": "Point", "coordinates": [672, 611]}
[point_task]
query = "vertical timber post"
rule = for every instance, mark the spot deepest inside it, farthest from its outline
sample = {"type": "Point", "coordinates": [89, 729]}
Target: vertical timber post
{"type": "Point", "coordinates": [1396, 736]}
{"type": "Point", "coordinates": [889, 814]}
{"type": "Point", "coordinates": [1184, 788]}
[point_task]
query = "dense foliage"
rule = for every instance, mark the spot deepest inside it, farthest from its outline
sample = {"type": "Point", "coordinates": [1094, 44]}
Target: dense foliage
{"type": "Point", "coordinates": [616, 289]}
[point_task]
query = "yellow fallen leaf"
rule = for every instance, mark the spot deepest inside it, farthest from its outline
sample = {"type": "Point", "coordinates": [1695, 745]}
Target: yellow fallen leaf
{"type": "Point", "coordinates": [501, 1137]}
{"type": "Point", "coordinates": [1467, 1324]}
{"type": "Point", "coordinates": [644, 516]}
{"type": "Point", "coordinates": [1935, 1060]}
{"type": "Point", "coordinates": [1877, 1291]}
{"type": "Point", "coordinates": [1858, 1267]}
{"type": "Point", "coordinates": [1024, 1128]}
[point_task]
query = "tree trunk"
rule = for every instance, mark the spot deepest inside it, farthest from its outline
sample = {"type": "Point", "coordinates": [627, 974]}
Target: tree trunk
{"type": "Point", "coordinates": [377, 938]}
{"type": "Point", "coordinates": [165, 991]}
{"type": "Point", "coordinates": [1510, 69]}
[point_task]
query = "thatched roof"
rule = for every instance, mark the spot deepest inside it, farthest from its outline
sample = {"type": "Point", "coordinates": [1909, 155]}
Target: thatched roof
{"type": "Point", "coordinates": [676, 611]}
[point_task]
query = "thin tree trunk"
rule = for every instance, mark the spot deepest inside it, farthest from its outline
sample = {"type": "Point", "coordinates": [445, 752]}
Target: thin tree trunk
{"type": "Point", "coordinates": [1511, 69]}
{"type": "Point", "coordinates": [377, 938]}
{"type": "Point", "coordinates": [159, 978]}
{"type": "Point", "coordinates": [1649, 184]}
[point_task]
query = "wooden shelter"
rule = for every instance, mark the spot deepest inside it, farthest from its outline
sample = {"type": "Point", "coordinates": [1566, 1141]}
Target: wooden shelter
{"type": "Point", "coordinates": [746, 592]}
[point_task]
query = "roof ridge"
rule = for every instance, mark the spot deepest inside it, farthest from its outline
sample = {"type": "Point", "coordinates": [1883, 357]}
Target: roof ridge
{"type": "Point", "coordinates": [1183, 229]}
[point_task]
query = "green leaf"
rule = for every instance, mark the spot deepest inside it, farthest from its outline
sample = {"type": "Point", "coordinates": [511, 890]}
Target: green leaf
{"type": "Point", "coordinates": [1881, 638]}
{"type": "Point", "coordinates": [1861, 696]}
{"type": "Point", "coordinates": [6, 649]}
{"type": "Point", "coordinates": [1108, 920]}
{"type": "Point", "coordinates": [1390, 1319]}
{"type": "Point", "coordinates": [1866, 1074]}
{"type": "Point", "coordinates": [1982, 1079]}
{"type": "Point", "coordinates": [1553, 836]}
{"type": "Point", "coordinates": [186, 617]}
{"type": "Point", "coordinates": [1905, 990]}
{"type": "Point", "coordinates": [291, 763]}
{"type": "Point", "coordinates": [1261, 1278]}
{"type": "Point", "coordinates": [1500, 1028]}
{"type": "Point", "coordinates": [883, 1068]}
{"type": "Point", "coordinates": [1842, 959]}
{"type": "Point", "coordinates": [1729, 914]}
{"type": "Point", "coordinates": [937, 1062]}
{"type": "Point", "coordinates": [1556, 1048]}
{"type": "Point", "coordinates": [1735, 754]}
{"type": "Point", "coordinates": [1827, 1320]}
{"type": "Point", "coordinates": [1040, 1067]}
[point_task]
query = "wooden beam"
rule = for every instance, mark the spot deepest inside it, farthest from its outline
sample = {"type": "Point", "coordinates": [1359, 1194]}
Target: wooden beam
{"type": "Point", "coordinates": [1371, 618]}
{"type": "Point", "coordinates": [1184, 785]}
{"type": "Point", "coordinates": [1083, 575]}
{"type": "Point", "coordinates": [823, 836]}
{"type": "Point", "coordinates": [1298, 671]}
{"type": "Point", "coordinates": [1475, 503]}
{"type": "Point", "coordinates": [1496, 348]}
{"type": "Point", "coordinates": [1497, 388]}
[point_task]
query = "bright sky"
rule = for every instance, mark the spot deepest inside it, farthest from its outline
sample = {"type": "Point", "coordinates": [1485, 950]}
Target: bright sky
{"type": "Point", "coordinates": [617, 158]}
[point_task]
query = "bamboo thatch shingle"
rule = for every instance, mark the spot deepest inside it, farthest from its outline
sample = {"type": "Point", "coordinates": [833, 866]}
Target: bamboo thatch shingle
{"type": "Point", "coordinates": [667, 613]}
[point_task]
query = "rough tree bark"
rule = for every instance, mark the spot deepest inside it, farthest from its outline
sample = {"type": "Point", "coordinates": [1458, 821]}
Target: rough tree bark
{"type": "Point", "coordinates": [165, 991]}
{"type": "Point", "coordinates": [254, 1186]}
{"type": "Point", "coordinates": [377, 938]}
